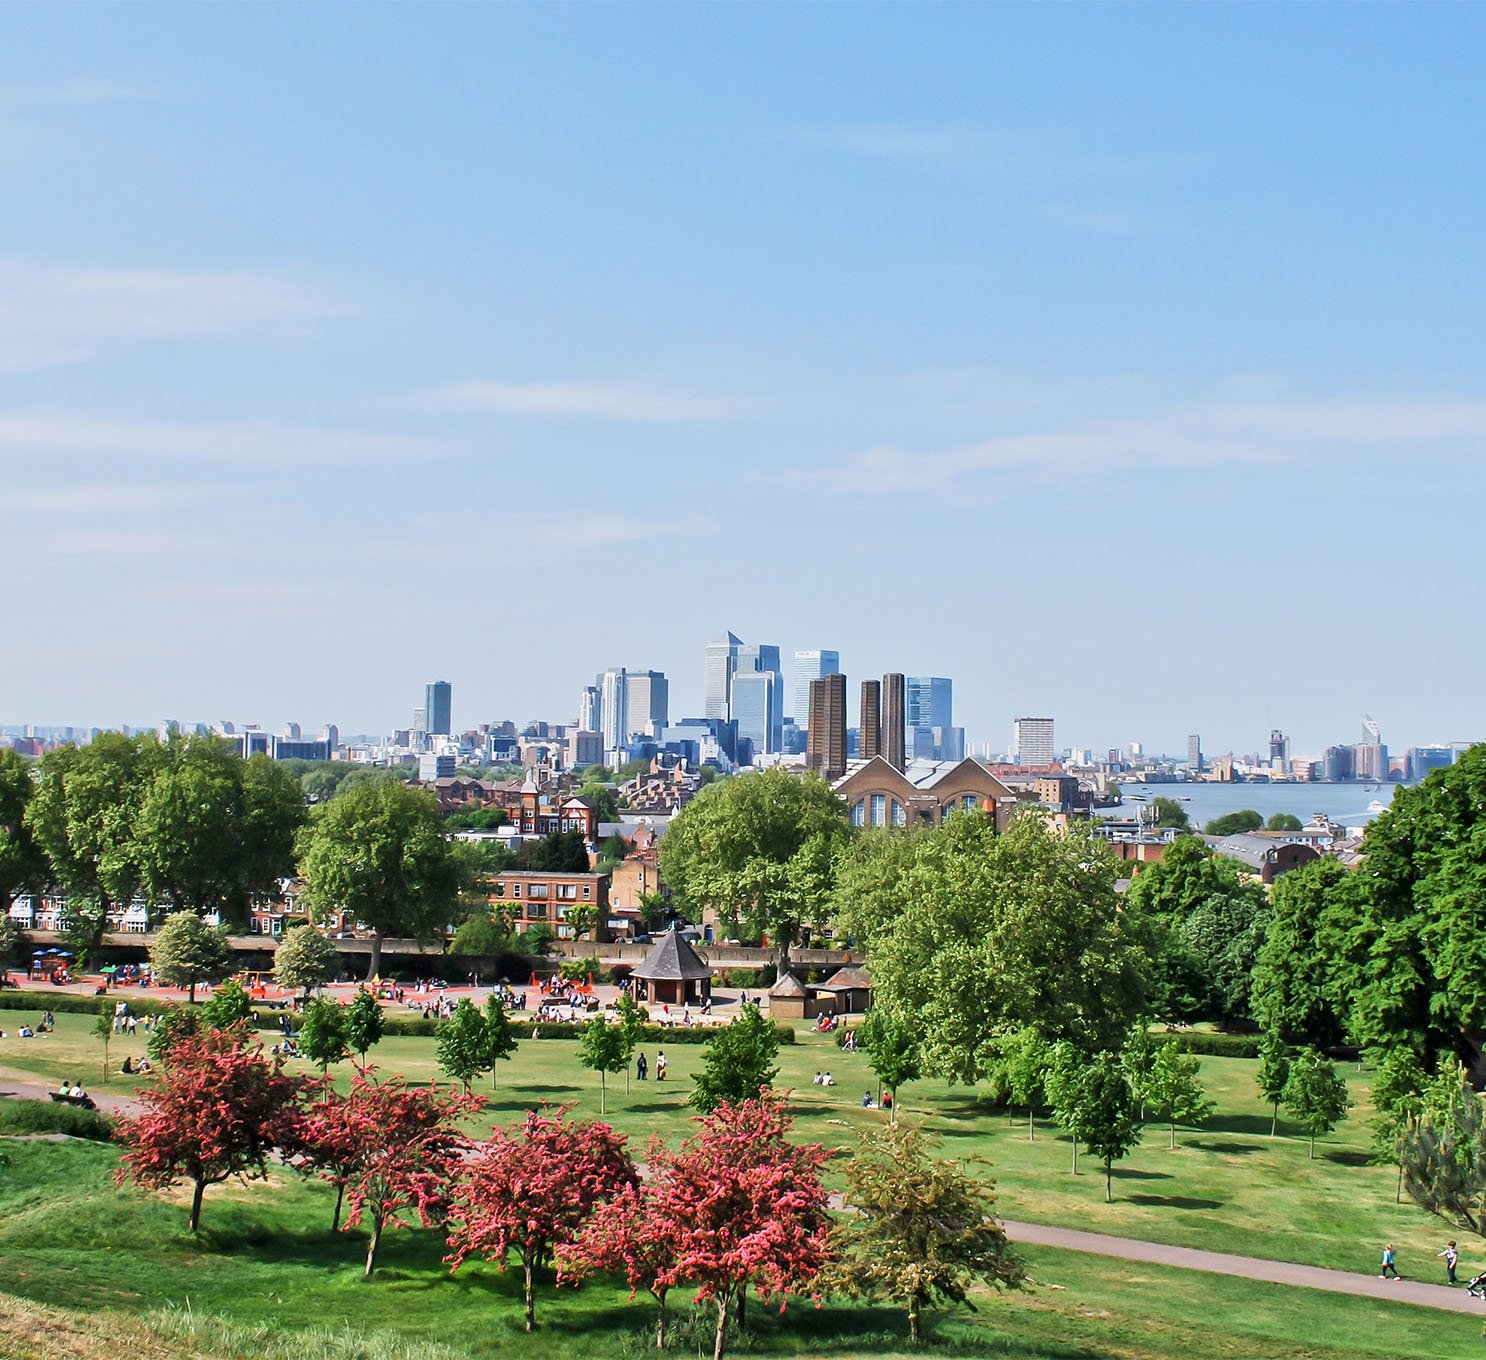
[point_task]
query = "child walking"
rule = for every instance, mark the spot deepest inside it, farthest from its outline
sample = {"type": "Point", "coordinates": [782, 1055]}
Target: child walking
{"type": "Point", "coordinates": [1451, 1257]}
{"type": "Point", "coordinates": [1389, 1269]}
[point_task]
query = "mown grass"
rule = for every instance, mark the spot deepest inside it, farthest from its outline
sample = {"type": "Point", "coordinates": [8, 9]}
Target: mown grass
{"type": "Point", "coordinates": [266, 1280]}
{"type": "Point", "coordinates": [1227, 1186]}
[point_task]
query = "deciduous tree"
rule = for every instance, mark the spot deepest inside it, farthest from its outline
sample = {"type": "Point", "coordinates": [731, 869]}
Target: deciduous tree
{"type": "Point", "coordinates": [23, 864]}
{"type": "Point", "coordinates": [500, 1039]}
{"type": "Point", "coordinates": [1173, 1089]}
{"type": "Point", "coordinates": [992, 932]}
{"type": "Point", "coordinates": [892, 1047]}
{"type": "Point", "coordinates": [462, 1045]}
{"type": "Point", "coordinates": [632, 1236]}
{"type": "Point", "coordinates": [1315, 1095]}
{"type": "Point", "coordinates": [322, 1033]}
{"type": "Point", "coordinates": [631, 1017]}
{"type": "Point", "coordinates": [748, 1207]}
{"type": "Point", "coordinates": [1272, 1075]}
{"type": "Point", "coordinates": [1025, 1058]}
{"type": "Point", "coordinates": [305, 960]}
{"type": "Point", "coordinates": [529, 1189]}
{"type": "Point", "coordinates": [753, 849]}
{"type": "Point", "coordinates": [920, 1230]}
{"type": "Point", "coordinates": [217, 1109]}
{"type": "Point", "coordinates": [228, 1005]}
{"type": "Point", "coordinates": [737, 1062]}
{"type": "Point", "coordinates": [379, 853]}
{"type": "Point", "coordinates": [187, 951]}
{"type": "Point", "coordinates": [601, 1049]}
{"type": "Point", "coordinates": [364, 1023]}
{"type": "Point", "coordinates": [1106, 1117]}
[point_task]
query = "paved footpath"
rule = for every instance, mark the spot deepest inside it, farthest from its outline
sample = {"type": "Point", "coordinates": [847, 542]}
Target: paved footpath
{"type": "Point", "coordinates": [20, 1088]}
{"type": "Point", "coordinates": [1249, 1267]}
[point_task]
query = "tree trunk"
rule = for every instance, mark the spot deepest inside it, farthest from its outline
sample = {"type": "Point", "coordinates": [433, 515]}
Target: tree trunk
{"type": "Point", "coordinates": [376, 1241]}
{"type": "Point", "coordinates": [1075, 1156]}
{"type": "Point", "coordinates": [660, 1319]}
{"type": "Point", "coordinates": [720, 1341]}
{"type": "Point", "coordinates": [340, 1194]}
{"type": "Point", "coordinates": [1031, 1124]}
{"type": "Point", "coordinates": [603, 1092]}
{"type": "Point", "coordinates": [1274, 1123]}
{"type": "Point", "coordinates": [913, 1329]}
{"type": "Point", "coordinates": [892, 1118]}
{"type": "Point", "coordinates": [191, 993]}
{"type": "Point", "coordinates": [1108, 1181]}
{"type": "Point", "coordinates": [105, 1059]}
{"type": "Point", "coordinates": [1313, 1147]}
{"type": "Point", "coordinates": [374, 967]}
{"type": "Point", "coordinates": [1172, 1144]}
{"type": "Point", "coordinates": [742, 1305]}
{"type": "Point", "coordinates": [529, 1267]}
{"type": "Point", "coordinates": [1398, 1193]}
{"type": "Point", "coordinates": [196, 1194]}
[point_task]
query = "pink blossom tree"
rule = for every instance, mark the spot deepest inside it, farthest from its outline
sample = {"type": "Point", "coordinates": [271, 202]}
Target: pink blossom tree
{"type": "Point", "coordinates": [218, 1109]}
{"type": "Point", "coordinates": [529, 1189]}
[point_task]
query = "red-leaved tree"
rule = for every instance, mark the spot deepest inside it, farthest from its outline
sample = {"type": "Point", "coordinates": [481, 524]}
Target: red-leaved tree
{"type": "Point", "coordinates": [392, 1149]}
{"type": "Point", "coordinates": [630, 1235]}
{"type": "Point", "coordinates": [218, 1109]}
{"type": "Point", "coordinates": [530, 1187]}
{"type": "Point", "coordinates": [746, 1205]}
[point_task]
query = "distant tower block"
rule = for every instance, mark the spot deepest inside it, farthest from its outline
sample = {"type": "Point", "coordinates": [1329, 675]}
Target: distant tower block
{"type": "Point", "coordinates": [826, 752]}
{"type": "Point", "coordinates": [871, 721]}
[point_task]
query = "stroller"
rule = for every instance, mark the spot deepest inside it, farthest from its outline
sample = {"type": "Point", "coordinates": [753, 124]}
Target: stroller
{"type": "Point", "coordinates": [1477, 1288]}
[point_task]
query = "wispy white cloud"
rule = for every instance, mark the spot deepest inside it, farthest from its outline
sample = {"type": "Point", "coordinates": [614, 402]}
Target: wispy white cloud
{"type": "Point", "coordinates": [52, 314]}
{"type": "Point", "coordinates": [52, 545]}
{"type": "Point", "coordinates": [884, 141]}
{"type": "Point", "coordinates": [634, 402]}
{"type": "Point", "coordinates": [1229, 429]}
{"type": "Point", "coordinates": [33, 434]}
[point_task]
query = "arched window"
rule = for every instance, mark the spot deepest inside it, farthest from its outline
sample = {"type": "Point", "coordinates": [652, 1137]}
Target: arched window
{"type": "Point", "coordinates": [858, 813]}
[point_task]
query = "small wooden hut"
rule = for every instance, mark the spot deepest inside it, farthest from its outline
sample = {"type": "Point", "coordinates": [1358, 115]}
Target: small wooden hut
{"type": "Point", "coordinates": [673, 973]}
{"type": "Point", "coordinates": [790, 1000]}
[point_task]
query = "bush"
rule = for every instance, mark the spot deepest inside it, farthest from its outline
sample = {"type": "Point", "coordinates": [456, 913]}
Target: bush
{"type": "Point", "coordinates": [45, 1116]}
{"type": "Point", "coordinates": [1209, 1045]}
{"type": "Point", "coordinates": [417, 1027]}
{"type": "Point", "coordinates": [748, 979]}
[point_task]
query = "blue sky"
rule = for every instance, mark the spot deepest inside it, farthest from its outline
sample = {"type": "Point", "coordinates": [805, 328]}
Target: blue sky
{"type": "Point", "coordinates": [1123, 364]}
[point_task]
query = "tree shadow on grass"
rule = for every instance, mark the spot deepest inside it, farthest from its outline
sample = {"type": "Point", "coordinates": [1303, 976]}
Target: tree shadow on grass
{"type": "Point", "coordinates": [1174, 1201]}
{"type": "Point", "coordinates": [1346, 1158]}
{"type": "Point", "coordinates": [1129, 1173]}
{"type": "Point", "coordinates": [1255, 1124]}
{"type": "Point", "coordinates": [658, 1106]}
{"type": "Point", "coordinates": [1224, 1149]}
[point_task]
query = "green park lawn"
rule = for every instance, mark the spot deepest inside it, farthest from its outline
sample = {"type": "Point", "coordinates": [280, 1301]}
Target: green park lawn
{"type": "Point", "coordinates": [71, 1240]}
{"type": "Point", "coordinates": [1228, 1186]}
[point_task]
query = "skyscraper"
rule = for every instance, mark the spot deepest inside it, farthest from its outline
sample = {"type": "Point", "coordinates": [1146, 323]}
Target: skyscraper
{"type": "Point", "coordinates": [870, 727]}
{"type": "Point", "coordinates": [1194, 753]}
{"type": "Point", "coordinates": [647, 702]}
{"type": "Point", "coordinates": [1033, 738]}
{"type": "Point", "coordinates": [722, 661]}
{"type": "Point", "coordinates": [756, 696]}
{"type": "Point", "coordinates": [590, 709]}
{"type": "Point", "coordinates": [762, 658]}
{"type": "Point", "coordinates": [613, 713]}
{"type": "Point", "coordinates": [927, 701]}
{"type": "Point", "coordinates": [826, 752]}
{"type": "Point", "coordinates": [436, 703]}
{"type": "Point", "coordinates": [1279, 749]}
{"type": "Point", "coordinates": [893, 714]}
{"type": "Point", "coordinates": [810, 666]}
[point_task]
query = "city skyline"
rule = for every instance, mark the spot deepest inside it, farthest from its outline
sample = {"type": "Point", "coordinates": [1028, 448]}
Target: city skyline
{"type": "Point", "coordinates": [1216, 347]}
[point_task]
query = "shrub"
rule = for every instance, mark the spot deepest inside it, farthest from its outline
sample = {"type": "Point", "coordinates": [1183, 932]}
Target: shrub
{"type": "Point", "coordinates": [416, 1026]}
{"type": "Point", "coordinates": [1210, 1045]}
{"type": "Point", "coordinates": [69, 1003]}
{"type": "Point", "coordinates": [45, 1116]}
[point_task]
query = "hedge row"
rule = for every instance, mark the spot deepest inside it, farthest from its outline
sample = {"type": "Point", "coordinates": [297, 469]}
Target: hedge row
{"type": "Point", "coordinates": [71, 1003]}
{"type": "Point", "coordinates": [45, 1116]}
{"type": "Point", "coordinates": [1209, 1045]}
{"type": "Point", "coordinates": [416, 1025]}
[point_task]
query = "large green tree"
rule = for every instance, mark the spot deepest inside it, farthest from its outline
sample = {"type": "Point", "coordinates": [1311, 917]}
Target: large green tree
{"type": "Point", "coordinates": [1207, 924]}
{"type": "Point", "coordinates": [995, 932]}
{"type": "Point", "coordinates": [305, 960]}
{"type": "Point", "coordinates": [83, 816]}
{"type": "Point", "coordinates": [378, 852]}
{"type": "Point", "coordinates": [187, 951]}
{"type": "Point", "coordinates": [758, 850]}
{"type": "Point", "coordinates": [22, 862]}
{"type": "Point", "coordinates": [737, 1062]}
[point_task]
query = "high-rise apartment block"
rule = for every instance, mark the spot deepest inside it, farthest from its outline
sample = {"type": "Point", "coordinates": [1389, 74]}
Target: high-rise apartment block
{"type": "Point", "coordinates": [613, 709]}
{"type": "Point", "coordinates": [894, 712]}
{"type": "Point", "coordinates": [826, 751]}
{"type": "Point", "coordinates": [755, 708]}
{"type": "Point", "coordinates": [1033, 739]}
{"type": "Point", "coordinates": [814, 665]}
{"type": "Point", "coordinates": [590, 709]}
{"type": "Point", "coordinates": [1194, 753]}
{"type": "Point", "coordinates": [437, 704]}
{"type": "Point", "coordinates": [870, 728]}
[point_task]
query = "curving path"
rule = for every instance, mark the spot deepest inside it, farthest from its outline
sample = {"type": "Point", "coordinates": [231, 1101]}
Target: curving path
{"type": "Point", "coordinates": [1249, 1267]}
{"type": "Point", "coordinates": [23, 1088]}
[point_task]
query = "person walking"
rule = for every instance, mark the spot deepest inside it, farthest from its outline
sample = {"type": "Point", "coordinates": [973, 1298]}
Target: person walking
{"type": "Point", "coordinates": [660, 1065]}
{"type": "Point", "coordinates": [1451, 1258]}
{"type": "Point", "coordinates": [642, 1066]}
{"type": "Point", "coordinates": [1389, 1271]}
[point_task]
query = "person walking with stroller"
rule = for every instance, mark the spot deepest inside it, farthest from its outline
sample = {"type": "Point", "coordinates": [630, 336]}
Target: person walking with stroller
{"type": "Point", "coordinates": [1389, 1271]}
{"type": "Point", "coordinates": [1451, 1258]}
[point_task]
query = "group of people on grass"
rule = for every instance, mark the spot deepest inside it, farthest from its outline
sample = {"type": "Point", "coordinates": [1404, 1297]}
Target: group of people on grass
{"type": "Point", "coordinates": [642, 1066]}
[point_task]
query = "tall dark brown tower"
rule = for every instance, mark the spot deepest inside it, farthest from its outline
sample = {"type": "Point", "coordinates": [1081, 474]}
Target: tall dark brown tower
{"type": "Point", "coordinates": [892, 720]}
{"type": "Point", "coordinates": [826, 751]}
{"type": "Point", "coordinates": [870, 741]}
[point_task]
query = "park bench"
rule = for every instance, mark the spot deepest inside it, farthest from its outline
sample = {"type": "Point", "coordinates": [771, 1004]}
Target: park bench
{"type": "Point", "coordinates": [82, 1102]}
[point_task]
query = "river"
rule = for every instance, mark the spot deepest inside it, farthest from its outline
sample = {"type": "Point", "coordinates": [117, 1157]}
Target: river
{"type": "Point", "coordinates": [1345, 804]}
